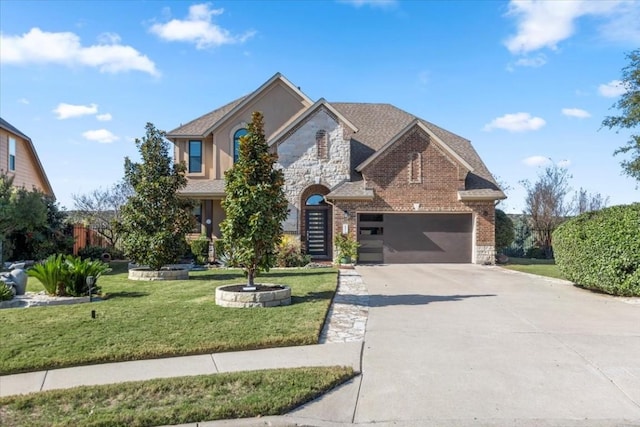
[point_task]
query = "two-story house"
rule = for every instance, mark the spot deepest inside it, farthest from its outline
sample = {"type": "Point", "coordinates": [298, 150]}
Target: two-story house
{"type": "Point", "coordinates": [19, 159]}
{"type": "Point", "coordinates": [408, 190]}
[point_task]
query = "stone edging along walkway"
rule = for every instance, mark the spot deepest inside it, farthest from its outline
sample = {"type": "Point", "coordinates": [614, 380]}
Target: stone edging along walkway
{"type": "Point", "coordinates": [347, 317]}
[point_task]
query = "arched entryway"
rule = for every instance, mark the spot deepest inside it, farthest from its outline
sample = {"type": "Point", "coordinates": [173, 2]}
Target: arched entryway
{"type": "Point", "coordinates": [316, 224]}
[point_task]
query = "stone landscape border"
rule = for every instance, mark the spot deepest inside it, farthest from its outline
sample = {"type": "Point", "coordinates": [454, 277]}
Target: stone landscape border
{"type": "Point", "coordinates": [145, 273]}
{"type": "Point", "coordinates": [245, 299]}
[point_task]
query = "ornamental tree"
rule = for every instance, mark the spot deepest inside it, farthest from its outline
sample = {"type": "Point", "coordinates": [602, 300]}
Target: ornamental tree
{"type": "Point", "coordinates": [255, 204]}
{"type": "Point", "coordinates": [629, 118]}
{"type": "Point", "coordinates": [155, 220]}
{"type": "Point", "coordinates": [102, 208]}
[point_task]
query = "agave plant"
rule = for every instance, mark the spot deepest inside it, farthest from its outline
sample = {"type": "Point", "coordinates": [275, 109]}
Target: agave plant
{"type": "Point", "coordinates": [52, 273]}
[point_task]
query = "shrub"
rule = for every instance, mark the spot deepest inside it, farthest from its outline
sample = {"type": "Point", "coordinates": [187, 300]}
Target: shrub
{"type": "Point", "coordinates": [200, 249]}
{"type": "Point", "coordinates": [289, 253]}
{"type": "Point", "coordinates": [505, 233]}
{"type": "Point", "coordinates": [347, 247]}
{"type": "Point", "coordinates": [78, 270]}
{"type": "Point", "coordinates": [535, 252]}
{"type": "Point", "coordinates": [601, 250]}
{"type": "Point", "coordinates": [62, 275]}
{"type": "Point", "coordinates": [5, 292]}
{"type": "Point", "coordinates": [97, 252]}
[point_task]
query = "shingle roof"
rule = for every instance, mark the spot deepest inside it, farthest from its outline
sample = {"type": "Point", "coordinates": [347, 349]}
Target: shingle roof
{"type": "Point", "coordinates": [378, 123]}
{"type": "Point", "coordinates": [204, 187]}
{"type": "Point", "coordinates": [10, 128]}
{"type": "Point", "coordinates": [350, 191]}
{"type": "Point", "coordinates": [200, 125]}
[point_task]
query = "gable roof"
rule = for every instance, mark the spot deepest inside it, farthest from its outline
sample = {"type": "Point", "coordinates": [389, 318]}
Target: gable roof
{"type": "Point", "coordinates": [380, 123]}
{"type": "Point", "coordinates": [208, 123]}
{"type": "Point", "coordinates": [298, 118]}
{"type": "Point", "coordinates": [414, 123]}
{"type": "Point", "coordinates": [12, 129]}
{"type": "Point", "coordinates": [197, 127]}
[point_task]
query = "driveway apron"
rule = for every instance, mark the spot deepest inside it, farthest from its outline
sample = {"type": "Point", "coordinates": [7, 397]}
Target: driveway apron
{"type": "Point", "coordinates": [472, 345]}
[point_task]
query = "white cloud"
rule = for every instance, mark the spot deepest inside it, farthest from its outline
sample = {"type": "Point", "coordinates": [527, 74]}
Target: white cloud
{"type": "Point", "coordinates": [102, 136]}
{"type": "Point", "coordinates": [576, 112]}
{"type": "Point", "coordinates": [543, 24]}
{"type": "Point", "coordinates": [624, 26]}
{"type": "Point", "coordinates": [104, 117]}
{"type": "Point", "coordinates": [536, 161]}
{"type": "Point", "coordinates": [197, 28]}
{"type": "Point", "coordinates": [109, 38]}
{"type": "Point", "coordinates": [24, 101]}
{"type": "Point", "coordinates": [372, 3]}
{"type": "Point", "coordinates": [516, 122]}
{"type": "Point", "coordinates": [534, 62]}
{"type": "Point", "coordinates": [564, 163]}
{"type": "Point", "coordinates": [40, 47]}
{"type": "Point", "coordinates": [67, 111]}
{"type": "Point", "coordinates": [612, 89]}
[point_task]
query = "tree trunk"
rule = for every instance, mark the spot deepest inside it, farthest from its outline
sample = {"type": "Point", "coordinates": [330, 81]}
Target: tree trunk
{"type": "Point", "coordinates": [251, 275]}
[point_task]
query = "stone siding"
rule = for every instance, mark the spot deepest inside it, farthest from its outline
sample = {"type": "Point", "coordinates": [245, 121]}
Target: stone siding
{"type": "Point", "coordinates": [298, 157]}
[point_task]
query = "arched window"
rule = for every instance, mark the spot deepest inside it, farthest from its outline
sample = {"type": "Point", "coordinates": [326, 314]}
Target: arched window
{"type": "Point", "coordinates": [315, 200]}
{"type": "Point", "coordinates": [236, 143]}
{"type": "Point", "coordinates": [322, 144]}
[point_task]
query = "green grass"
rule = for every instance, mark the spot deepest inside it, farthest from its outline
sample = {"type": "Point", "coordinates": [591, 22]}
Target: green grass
{"type": "Point", "coordinates": [142, 320]}
{"type": "Point", "coordinates": [541, 267]}
{"type": "Point", "coordinates": [174, 400]}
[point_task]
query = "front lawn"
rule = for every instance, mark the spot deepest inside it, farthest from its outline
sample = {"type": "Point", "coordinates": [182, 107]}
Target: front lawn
{"type": "Point", "coordinates": [142, 320]}
{"type": "Point", "coordinates": [541, 267]}
{"type": "Point", "coordinates": [174, 400]}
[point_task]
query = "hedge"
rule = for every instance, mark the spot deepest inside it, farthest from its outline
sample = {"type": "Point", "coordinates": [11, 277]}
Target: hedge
{"type": "Point", "coordinates": [601, 250]}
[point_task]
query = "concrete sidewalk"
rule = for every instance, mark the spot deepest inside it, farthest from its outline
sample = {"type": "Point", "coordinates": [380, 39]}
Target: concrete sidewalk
{"type": "Point", "coordinates": [342, 354]}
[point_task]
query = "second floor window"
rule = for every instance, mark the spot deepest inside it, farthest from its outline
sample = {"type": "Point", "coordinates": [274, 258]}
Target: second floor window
{"type": "Point", "coordinates": [12, 154]}
{"type": "Point", "coordinates": [236, 143]}
{"type": "Point", "coordinates": [195, 156]}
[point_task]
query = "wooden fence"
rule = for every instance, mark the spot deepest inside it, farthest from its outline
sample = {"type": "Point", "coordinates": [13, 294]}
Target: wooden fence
{"type": "Point", "coordinates": [85, 236]}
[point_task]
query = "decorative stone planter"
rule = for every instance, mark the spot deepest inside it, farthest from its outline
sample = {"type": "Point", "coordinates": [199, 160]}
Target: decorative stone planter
{"type": "Point", "coordinates": [264, 296]}
{"type": "Point", "coordinates": [145, 273]}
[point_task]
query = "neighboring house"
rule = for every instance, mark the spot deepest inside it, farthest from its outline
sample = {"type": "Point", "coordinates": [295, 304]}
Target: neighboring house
{"type": "Point", "coordinates": [408, 190]}
{"type": "Point", "coordinates": [18, 159]}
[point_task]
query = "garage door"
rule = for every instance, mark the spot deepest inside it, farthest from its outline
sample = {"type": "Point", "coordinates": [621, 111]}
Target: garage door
{"type": "Point", "coordinates": [415, 238]}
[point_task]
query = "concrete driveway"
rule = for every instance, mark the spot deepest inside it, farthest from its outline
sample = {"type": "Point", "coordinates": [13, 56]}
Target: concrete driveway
{"type": "Point", "coordinates": [453, 345]}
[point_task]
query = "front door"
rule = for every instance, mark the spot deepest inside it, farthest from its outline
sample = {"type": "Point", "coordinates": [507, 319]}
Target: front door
{"type": "Point", "coordinates": [317, 227]}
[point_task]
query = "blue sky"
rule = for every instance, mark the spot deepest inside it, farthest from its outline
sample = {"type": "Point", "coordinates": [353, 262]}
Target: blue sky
{"type": "Point", "coordinates": [528, 82]}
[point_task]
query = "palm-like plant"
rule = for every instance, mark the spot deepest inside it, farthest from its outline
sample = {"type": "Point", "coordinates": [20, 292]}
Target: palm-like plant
{"type": "Point", "coordinates": [62, 275]}
{"type": "Point", "coordinates": [52, 273]}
